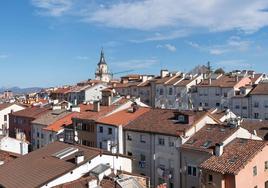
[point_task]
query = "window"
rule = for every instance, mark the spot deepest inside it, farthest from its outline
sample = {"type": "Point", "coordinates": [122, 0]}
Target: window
{"type": "Point", "coordinates": [110, 131]}
{"type": "Point", "coordinates": [161, 141]}
{"type": "Point", "coordinates": [5, 117]}
{"type": "Point", "coordinates": [142, 139]}
{"type": "Point", "coordinates": [217, 104]}
{"type": "Point", "coordinates": [210, 178]}
{"type": "Point", "coordinates": [237, 107]}
{"type": "Point", "coordinates": [42, 135]}
{"type": "Point", "coordinates": [225, 95]}
{"type": "Point", "coordinates": [171, 143]}
{"type": "Point", "coordinates": [256, 104]}
{"type": "Point", "coordinates": [191, 171]}
{"type": "Point", "coordinates": [256, 115]}
{"type": "Point", "coordinates": [129, 137]}
{"type": "Point", "coordinates": [129, 153]}
{"type": "Point", "coordinates": [101, 145]}
{"type": "Point", "coordinates": [170, 91]}
{"type": "Point", "coordinates": [266, 165]}
{"type": "Point", "coordinates": [37, 134]}
{"type": "Point", "coordinates": [101, 129]}
{"type": "Point", "coordinates": [244, 107]}
{"type": "Point", "coordinates": [181, 118]}
{"type": "Point", "coordinates": [142, 157]}
{"type": "Point", "coordinates": [206, 104]}
{"type": "Point", "coordinates": [266, 116]}
{"type": "Point", "coordinates": [255, 171]}
{"type": "Point", "coordinates": [161, 91]}
{"type": "Point", "coordinates": [50, 137]}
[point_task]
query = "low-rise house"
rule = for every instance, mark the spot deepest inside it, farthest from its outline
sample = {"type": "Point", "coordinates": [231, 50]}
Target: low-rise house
{"type": "Point", "coordinates": [21, 121]}
{"type": "Point", "coordinates": [240, 159]}
{"type": "Point", "coordinates": [49, 127]}
{"type": "Point", "coordinates": [153, 140]}
{"type": "Point", "coordinates": [59, 163]}
{"type": "Point", "coordinates": [5, 110]}
{"type": "Point", "coordinates": [202, 145]}
{"type": "Point", "coordinates": [18, 146]}
{"type": "Point", "coordinates": [110, 134]}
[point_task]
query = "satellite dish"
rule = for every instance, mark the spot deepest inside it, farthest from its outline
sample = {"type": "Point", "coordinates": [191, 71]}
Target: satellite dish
{"type": "Point", "coordinates": [76, 138]}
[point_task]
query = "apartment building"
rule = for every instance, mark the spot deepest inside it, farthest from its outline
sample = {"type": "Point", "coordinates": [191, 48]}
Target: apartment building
{"type": "Point", "coordinates": [48, 127]}
{"type": "Point", "coordinates": [5, 110]}
{"type": "Point", "coordinates": [21, 121]}
{"type": "Point", "coordinates": [241, 163]}
{"type": "Point", "coordinates": [153, 140]}
{"type": "Point", "coordinates": [217, 90]}
{"type": "Point", "coordinates": [110, 135]}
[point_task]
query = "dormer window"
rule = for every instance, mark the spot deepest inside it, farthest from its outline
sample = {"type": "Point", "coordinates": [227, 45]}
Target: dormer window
{"type": "Point", "coordinates": [181, 118]}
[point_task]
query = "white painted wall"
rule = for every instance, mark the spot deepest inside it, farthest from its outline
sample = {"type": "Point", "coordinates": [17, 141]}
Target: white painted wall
{"type": "Point", "coordinates": [13, 145]}
{"type": "Point", "coordinates": [6, 111]}
{"type": "Point", "coordinates": [117, 163]}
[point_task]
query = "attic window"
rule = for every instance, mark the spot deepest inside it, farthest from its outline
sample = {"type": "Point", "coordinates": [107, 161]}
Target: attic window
{"type": "Point", "coordinates": [181, 118]}
{"type": "Point", "coordinates": [207, 144]}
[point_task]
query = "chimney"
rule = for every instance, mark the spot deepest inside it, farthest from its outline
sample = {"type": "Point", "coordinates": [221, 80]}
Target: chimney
{"type": "Point", "coordinates": [236, 78]}
{"type": "Point", "coordinates": [218, 149]}
{"type": "Point", "coordinates": [96, 106]}
{"type": "Point", "coordinates": [164, 73]}
{"type": "Point", "coordinates": [79, 157]}
{"type": "Point", "coordinates": [209, 81]}
{"type": "Point", "coordinates": [93, 183]}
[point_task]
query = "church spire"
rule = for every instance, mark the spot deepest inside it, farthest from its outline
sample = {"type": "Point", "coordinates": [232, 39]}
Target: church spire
{"type": "Point", "coordinates": [102, 59]}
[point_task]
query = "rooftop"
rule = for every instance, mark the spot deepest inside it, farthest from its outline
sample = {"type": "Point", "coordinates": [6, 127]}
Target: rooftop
{"type": "Point", "coordinates": [32, 112]}
{"type": "Point", "coordinates": [87, 111]}
{"type": "Point", "coordinates": [235, 156]}
{"type": "Point", "coordinates": [260, 126]}
{"type": "Point", "coordinates": [207, 137]}
{"type": "Point", "coordinates": [225, 81]}
{"type": "Point", "coordinates": [163, 121]}
{"type": "Point", "coordinates": [260, 89]}
{"type": "Point", "coordinates": [44, 167]}
{"type": "Point", "coordinates": [51, 117]}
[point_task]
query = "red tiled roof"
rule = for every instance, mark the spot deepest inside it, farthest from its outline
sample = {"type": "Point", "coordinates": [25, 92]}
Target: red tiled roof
{"type": "Point", "coordinates": [162, 121]}
{"type": "Point", "coordinates": [8, 156]}
{"type": "Point", "coordinates": [225, 81]}
{"type": "Point", "coordinates": [122, 117]}
{"type": "Point", "coordinates": [32, 112]}
{"type": "Point", "coordinates": [260, 89]}
{"type": "Point", "coordinates": [260, 126]}
{"type": "Point", "coordinates": [235, 156]}
{"type": "Point", "coordinates": [5, 105]}
{"type": "Point", "coordinates": [57, 125]}
{"type": "Point", "coordinates": [210, 133]}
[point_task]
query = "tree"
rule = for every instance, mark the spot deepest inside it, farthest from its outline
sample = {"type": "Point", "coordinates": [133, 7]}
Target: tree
{"type": "Point", "coordinates": [219, 71]}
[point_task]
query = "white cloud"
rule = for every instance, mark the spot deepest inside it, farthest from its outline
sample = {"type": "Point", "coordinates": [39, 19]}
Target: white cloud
{"type": "Point", "coordinates": [136, 63]}
{"type": "Point", "coordinates": [212, 15]}
{"type": "Point", "coordinates": [234, 64]}
{"type": "Point", "coordinates": [220, 15]}
{"type": "Point", "coordinates": [53, 7]}
{"type": "Point", "coordinates": [234, 43]}
{"type": "Point", "coordinates": [4, 56]}
{"type": "Point", "coordinates": [169, 47]}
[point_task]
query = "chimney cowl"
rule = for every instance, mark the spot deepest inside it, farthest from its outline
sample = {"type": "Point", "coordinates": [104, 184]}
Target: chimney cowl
{"type": "Point", "coordinates": [218, 149]}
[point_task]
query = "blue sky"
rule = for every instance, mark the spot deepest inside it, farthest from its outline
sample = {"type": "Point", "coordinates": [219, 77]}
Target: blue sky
{"type": "Point", "coordinates": [54, 42]}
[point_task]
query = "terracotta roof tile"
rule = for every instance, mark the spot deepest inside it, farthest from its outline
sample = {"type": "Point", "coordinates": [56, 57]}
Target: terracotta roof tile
{"type": "Point", "coordinates": [260, 89]}
{"type": "Point", "coordinates": [32, 112]}
{"type": "Point", "coordinates": [210, 134]}
{"type": "Point", "coordinates": [260, 126]}
{"type": "Point", "coordinates": [162, 121]}
{"type": "Point", "coordinates": [235, 156]}
{"type": "Point", "coordinates": [123, 117]}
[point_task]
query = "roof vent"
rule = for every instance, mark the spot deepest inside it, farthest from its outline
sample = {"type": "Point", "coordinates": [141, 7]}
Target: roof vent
{"type": "Point", "coordinates": [65, 152]}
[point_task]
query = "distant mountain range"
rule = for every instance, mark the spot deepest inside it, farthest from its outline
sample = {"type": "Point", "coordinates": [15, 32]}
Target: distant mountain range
{"type": "Point", "coordinates": [18, 90]}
